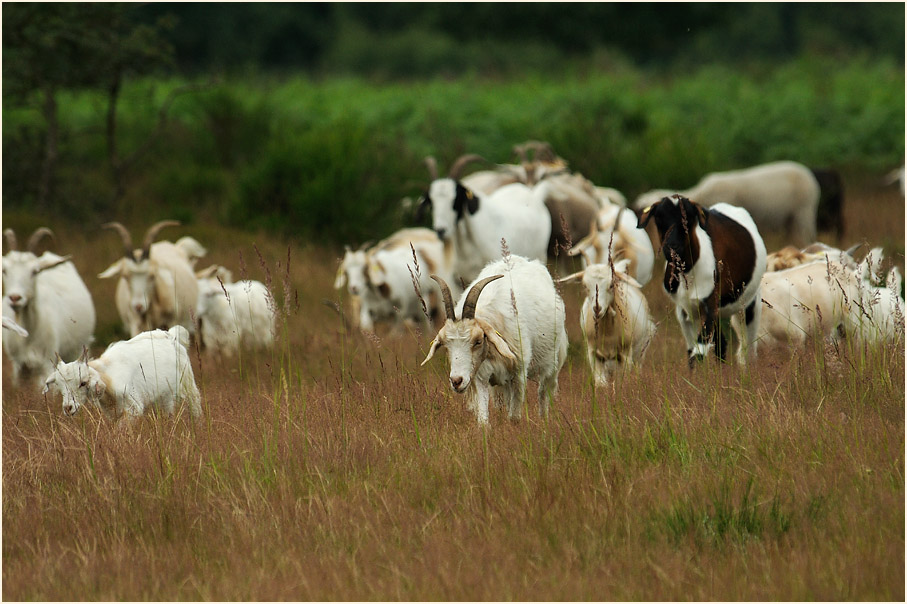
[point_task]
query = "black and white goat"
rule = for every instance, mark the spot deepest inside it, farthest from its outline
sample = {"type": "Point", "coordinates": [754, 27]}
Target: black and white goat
{"type": "Point", "coordinates": [715, 260]}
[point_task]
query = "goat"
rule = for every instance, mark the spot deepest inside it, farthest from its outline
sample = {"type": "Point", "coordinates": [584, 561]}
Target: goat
{"type": "Point", "coordinates": [514, 333]}
{"type": "Point", "coordinates": [779, 196]}
{"type": "Point", "coordinates": [157, 288]}
{"type": "Point", "coordinates": [472, 225]}
{"type": "Point", "coordinates": [604, 243]}
{"type": "Point", "coordinates": [232, 314]}
{"type": "Point", "coordinates": [831, 298]}
{"type": "Point", "coordinates": [150, 370]}
{"type": "Point", "coordinates": [615, 319]}
{"type": "Point", "coordinates": [715, 259]}
{"type": "Point", "coordinates": [47, 299]}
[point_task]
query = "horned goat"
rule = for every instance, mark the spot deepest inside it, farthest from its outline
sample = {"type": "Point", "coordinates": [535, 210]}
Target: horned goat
{"type": "Point", "coordinates": [156, 288]}
{"type": "Point", "coordinates": [150, 370]}
{"type": "Point", "coordinates": [780, 196]}
{"type": "Point", "coordinates": [605, 243]}
{"type": "Point", "coordinates": [715, 259]}
{"type": "Point", "coordinates": [230, 314]}
{"type": "Point", "coordinates": [473, 225]}
{"type": "Point", "coordinates": [47, 298]}
{"type": "Point", "coordinates": [615, 319]}
{"type": "Point", "coordinates": [513, 333]}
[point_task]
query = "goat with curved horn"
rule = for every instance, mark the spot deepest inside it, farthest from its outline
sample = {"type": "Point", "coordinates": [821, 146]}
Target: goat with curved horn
{"type": "Point", "coordinates": [448, 298]}
{"type": "Point", "coordinates": [472, 298]}
{"type": "Point", "coordinates": [456, 170]}
{"type": "Point", "coordinates": [432, 164]}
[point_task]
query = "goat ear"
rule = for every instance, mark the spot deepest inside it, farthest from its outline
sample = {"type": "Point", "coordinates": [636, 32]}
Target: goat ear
{"type": "Point", "coordinates": [571, 278]}
{"type": "Point", "coordinates": [701, 215]}
{"type": "Point", "coordinates": [465, 201]}
{"type": "Point", "coordinates": [112, 271]}
{"type": "Point", "coordinates": [646, 216]}
{"type": "Point", "coordinates": [340, 278]}
{"type": "Point", "coordinates": [206, 272]}
{"type": "Point", "coordinates": [622, 265]}
{"type": "Point", "coordinates": [50, 380]}
{"type": "Point", "coordinates": [500, 345]}
{"type": "Point", "coordinates": [50, 263]}
{"type": "Point", "coordinates": [435, 344]}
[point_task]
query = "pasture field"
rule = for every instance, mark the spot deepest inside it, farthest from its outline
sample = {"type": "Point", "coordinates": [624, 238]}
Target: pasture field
{"type": "Point", "coordinates": [336, 468]}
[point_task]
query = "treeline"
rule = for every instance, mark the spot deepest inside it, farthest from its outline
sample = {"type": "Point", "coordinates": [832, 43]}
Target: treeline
{"type": "Point", "coordinates": [405, 40]}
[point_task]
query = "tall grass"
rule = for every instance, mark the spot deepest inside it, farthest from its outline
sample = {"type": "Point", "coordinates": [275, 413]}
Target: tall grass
{"type": "Point", "coordinates": [336, 468]}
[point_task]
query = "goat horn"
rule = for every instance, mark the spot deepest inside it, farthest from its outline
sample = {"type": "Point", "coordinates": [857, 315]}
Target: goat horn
{"type": "Point", "coordinates": [36, 237]}
{"type": "Point", "coordinates": [448, 299]}
{"type": "Point", "coordinates": [124, 235]}
{"type": "Point", "coordinates": [432, 164]}
{"type": "Point", "coordinates": [457, 168]}
{"type": "Point", "coordinates": [10, 237]}
{"type": "Point", "coordinates": [472, 298]}
{"type": "Point", "coordinates": [152, 233]}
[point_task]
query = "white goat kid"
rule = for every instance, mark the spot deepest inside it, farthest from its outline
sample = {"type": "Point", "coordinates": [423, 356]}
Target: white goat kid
{"type": "Point", "coordinates": [513, 333]}
{"type": "Point", "coordinates": [157, 288]}
{"type": "Point", "coordinates": [473, 225]}
{"type": "Point", "coordinates": [46, 297]}
{"type": "Point", "coordinates": [150, 370]}
{"type": "Point", "coordinates": [231, 315]}
{"type": "Point", "coordinates": [615, 319]}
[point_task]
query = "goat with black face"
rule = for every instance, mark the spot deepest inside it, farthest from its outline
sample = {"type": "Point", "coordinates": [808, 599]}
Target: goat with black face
{"type": "Point", "coordinates": [715, 259]}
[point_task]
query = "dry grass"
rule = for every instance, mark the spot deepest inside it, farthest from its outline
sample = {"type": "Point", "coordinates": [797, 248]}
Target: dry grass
{"type": "Point", "coordinates": [336, 468]}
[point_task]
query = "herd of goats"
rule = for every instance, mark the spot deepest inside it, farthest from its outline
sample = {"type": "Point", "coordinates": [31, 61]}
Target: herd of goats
{"type": "Point", "coordinates": [483, 264]}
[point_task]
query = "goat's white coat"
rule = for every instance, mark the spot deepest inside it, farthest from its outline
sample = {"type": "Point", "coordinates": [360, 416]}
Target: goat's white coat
{"type": "Point", "coordinates": [234, 314]}
{"type": "Point", "coordinates": [778, 196]}
{"type": "Point", "coordinates": [627, 242]}
{"type": "Point", "coordinates": [54, 308]}
{"type": "Point", "coordinates": [150, 370]}
{"type": "Point", "coordinates": [513, 213]}
{"type": "Point", "coordinates": [532, 334]}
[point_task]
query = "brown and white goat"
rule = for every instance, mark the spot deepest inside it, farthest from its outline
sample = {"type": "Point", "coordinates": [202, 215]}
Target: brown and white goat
{"type": "Point", "coordinates": [715, 259]}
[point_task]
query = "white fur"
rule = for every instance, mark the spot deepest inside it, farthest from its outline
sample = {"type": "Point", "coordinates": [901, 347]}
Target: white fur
{"type": "Point", "coordinates": [778, 196]}
{"type": "Point", "coordinates": [626, 241]}
{"type": "Point", "coordinates": [234, 314]}
{"type": "Point", "coordinates": [532, 337]}
{"type": "Point", "coordinates": [151, 369]}
{"type": "Point", "coordinates": [48, 299]}
{"type": "Point", "coordinates": [192, 249]}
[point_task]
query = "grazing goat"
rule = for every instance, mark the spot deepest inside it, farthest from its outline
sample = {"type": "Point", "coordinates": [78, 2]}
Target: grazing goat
{"type": "Point", "coordinates": [615, 319]}
{"type": "Point", "coordinates": [605, 243]}
{"type": "Point", "coordinates": [780, 196]}
{"type": "Point", "coordinates": [513, 333]}
{"type": "Point", "coordinates": [47, 299]}
{"type": "Point", "coordinates": [150, 370]}
{"type": "Point", "coordinates": [157, 288]}
{"type": "Point", "coordinates": [233, 314]}
{"type": "Point", "coordinates": [472, 225]}
{"type": "Point", "coordinates": [715, 259]}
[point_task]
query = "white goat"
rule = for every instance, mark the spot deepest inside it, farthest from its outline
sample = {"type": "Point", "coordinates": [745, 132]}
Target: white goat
{"type": "Point", "coordinates": [626, 241]}
{"type": "Point", "coordinates": [779, 196]}
{"type": "Point", "coordinates": [473, 225]}
{"type": "Point", "coordinates": [513, 333]}
{"type": "Point", "coordinates": [233, 314]}
{"type": "Point", "coordinates": [157, 288]}
{"type": "Point", "coordinates": [192, 249]}
{"type": "Point", "coordinates": [615, 319]}
{"type": "Point", "coordinates": [151, 369]}
{"type": "Point", "coordinates": [381, 279]}
{"type": "Point", "coordinates": [47, 298]}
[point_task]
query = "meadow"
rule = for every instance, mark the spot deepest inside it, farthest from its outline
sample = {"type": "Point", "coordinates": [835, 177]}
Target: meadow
{"type": "Point", "coordinates": [336, 468]}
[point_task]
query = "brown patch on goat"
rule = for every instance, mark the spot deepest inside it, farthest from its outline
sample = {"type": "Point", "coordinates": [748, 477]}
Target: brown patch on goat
{"type": "Point", "coordinates": [735, 256]}
{"type": "Point", "coordinates": [786, 257]}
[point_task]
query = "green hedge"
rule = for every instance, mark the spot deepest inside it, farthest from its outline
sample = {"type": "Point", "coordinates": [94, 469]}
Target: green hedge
{"type": "Point", "coordinates": [330, 160]}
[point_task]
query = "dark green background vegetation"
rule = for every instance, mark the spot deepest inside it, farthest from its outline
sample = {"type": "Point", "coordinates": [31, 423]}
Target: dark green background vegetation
{"type": "Point", "coordinates": [312, 119]}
